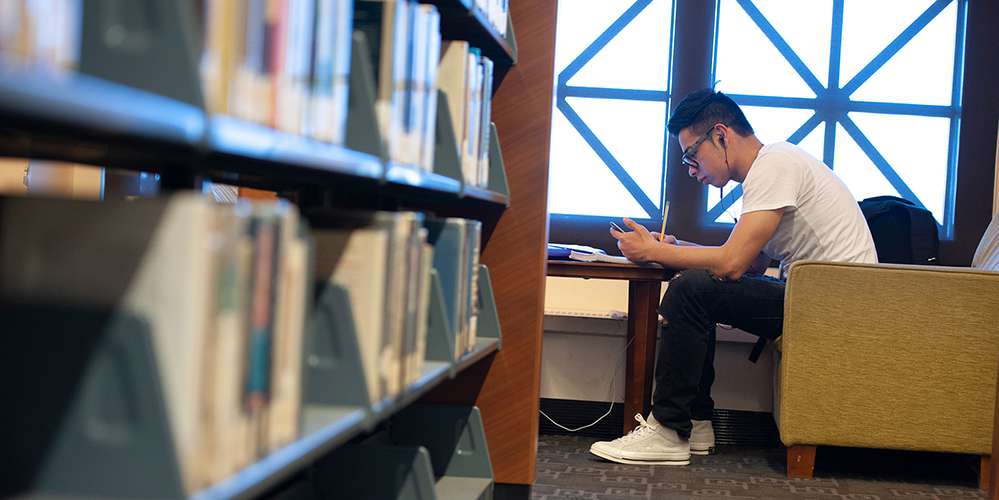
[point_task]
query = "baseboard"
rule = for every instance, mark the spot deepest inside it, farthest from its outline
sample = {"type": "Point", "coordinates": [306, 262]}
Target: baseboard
{"type": "Point", "coordinates": [507, 491]}
{"type": "Point", "coordinates": [732, 427]}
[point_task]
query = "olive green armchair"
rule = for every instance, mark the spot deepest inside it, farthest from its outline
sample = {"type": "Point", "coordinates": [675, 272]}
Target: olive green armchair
{"type": "Point", "coordinates": [889, 356]}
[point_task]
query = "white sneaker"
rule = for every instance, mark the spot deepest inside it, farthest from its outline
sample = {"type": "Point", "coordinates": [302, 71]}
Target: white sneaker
{"type": "Point", "coordinates": [650, 443]}
{"type": "Point", "coordinates": [702, 438]}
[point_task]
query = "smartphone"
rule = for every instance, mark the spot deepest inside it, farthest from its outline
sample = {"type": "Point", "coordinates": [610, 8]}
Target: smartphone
{"type": "Point", "coordinates": [615, 226]}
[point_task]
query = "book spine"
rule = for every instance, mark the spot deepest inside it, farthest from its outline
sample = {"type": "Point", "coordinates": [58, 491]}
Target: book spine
{"type": "Point", "coordinates": [486, 117]}
{"type": "Point", "coordinates": [322, 110]}
{"type": "Point", "coordinates": [257, 379]}
{"type": "Point", "coordinates": [341, 68]}
{"type": "Point", "coordinates": [433, 59]}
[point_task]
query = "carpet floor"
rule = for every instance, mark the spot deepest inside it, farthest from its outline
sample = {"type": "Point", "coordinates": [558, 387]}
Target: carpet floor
{"type": "Point", "coordinates": [567, 471]}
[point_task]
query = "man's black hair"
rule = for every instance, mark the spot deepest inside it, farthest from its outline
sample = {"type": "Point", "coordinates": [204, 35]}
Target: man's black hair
{"type": "Point", "coordinates": [703, 109]}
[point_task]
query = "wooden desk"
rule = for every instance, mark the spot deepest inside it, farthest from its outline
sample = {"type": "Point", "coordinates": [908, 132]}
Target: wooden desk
{"type": "Point", "coordinates": [644, 286]}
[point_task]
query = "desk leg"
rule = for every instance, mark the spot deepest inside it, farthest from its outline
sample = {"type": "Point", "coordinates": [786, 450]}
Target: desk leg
{"type": "Point", "coordinates": [643, 322]}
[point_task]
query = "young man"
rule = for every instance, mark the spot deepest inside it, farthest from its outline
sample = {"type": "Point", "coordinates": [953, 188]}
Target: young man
{"type": "Point", "coordinates": [793, 208]}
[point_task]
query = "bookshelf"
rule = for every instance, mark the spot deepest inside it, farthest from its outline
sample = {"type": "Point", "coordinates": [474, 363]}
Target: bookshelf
{"type": "Point", "coordinates": [113, 116]}
{"type": "Point", "coordinates": [506, 389]}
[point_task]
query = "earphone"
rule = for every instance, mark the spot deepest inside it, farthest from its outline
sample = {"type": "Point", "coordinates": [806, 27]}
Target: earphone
{"type": "Point", "coordinates": [721, 189]}
{"type": "Point", "coordinates": [721, 138]}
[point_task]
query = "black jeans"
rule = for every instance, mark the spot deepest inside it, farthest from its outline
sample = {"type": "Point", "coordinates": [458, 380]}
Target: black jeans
{"type": "Point", "coordinates": [695, 301]}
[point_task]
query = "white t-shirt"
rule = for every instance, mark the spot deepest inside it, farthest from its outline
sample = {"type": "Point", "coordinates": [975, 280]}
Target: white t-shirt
{"type": "Point", "coordinates": [822, 220]}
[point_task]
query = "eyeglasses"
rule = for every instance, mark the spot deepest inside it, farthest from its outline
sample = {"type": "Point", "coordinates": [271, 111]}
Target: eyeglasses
{"type": "Point", "coordinates": [687, 158]}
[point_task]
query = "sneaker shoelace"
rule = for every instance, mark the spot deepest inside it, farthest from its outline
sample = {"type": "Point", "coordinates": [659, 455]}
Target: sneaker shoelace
{"type": "Point", "coordinates": [639, 432]}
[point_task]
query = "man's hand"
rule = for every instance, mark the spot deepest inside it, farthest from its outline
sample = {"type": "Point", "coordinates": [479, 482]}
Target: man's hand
{"type": "Point", "coordinates": [638, 245]}
{"type": "Point", "coordinates": [669, 238]}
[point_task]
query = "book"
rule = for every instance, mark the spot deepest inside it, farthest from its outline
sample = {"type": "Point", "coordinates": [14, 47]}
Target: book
{"type": "Point", "coordinates": [562, 250]}
{"type": "Point", "coordinates": [449, 238]}
{"type": "Point", "coordinates": [320, 114]}
{"type": "Point", "coordinates": [413, 107]}
{"type": "Point", "coordinates": [432, 58]}
{"type": "Point", "coordinates": [291, 288]}
{"type": "Point", "coordinates": [343, 40]}
{"type": "Point", "coordinates": [485, 119]}
{"type": "Point", "coordinates": [263, 230]}
{"type": "Point", "coordinates": [225, 320]}
{"type": "Point", "coordinates": [382, 261]}
{"type": "Point", "coordinates": [294, 81]}
{"type": "Point", "coordinates": [250, 94]}
{"type": "Point", "coordinates": [473, 109]}
{"type": "Point", "coordinates": [411, 331]}
{"type": "Point", "coordinates": [43, 34]}
{"type": "Point", "coordinates": [452, 80]}
{"type": "Point", "coordinates": [222, 44]}
{"type": "Point", "coordinates": [327, 115]}
{"type": "Point", "coordinates": [597, 257]}
{"type": "Point", "coordinates": [355, 257]}
{"type": "Point", "coordinates": [474, 235]}
{"type": "Point", "coordinates": [385, 23]}
{"type": "Point", "coordinates": [226, 418]}
{"type": "Point", "coordinates": [422, 308]}
{"type": "Point", "coordinates": [398, 227]}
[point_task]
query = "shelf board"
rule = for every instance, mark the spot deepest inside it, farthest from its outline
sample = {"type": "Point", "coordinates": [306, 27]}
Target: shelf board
{"type": "Point", "coordinates": [281, 464]}
{"type": "Point", "coordinates": [461, 20]}
{"type": "Point", "coordinates": [81, 119]}
{"type": "Point", "coordinates": [434, 372]}
{"type": "Point", "coordinates": [483, 347]}
{"type": "Point", "coordinates": [407, 176]}
{"type": "Point", "coordinates": [464, 488]}
{"type": "Point", "coordinates": [252, 149]}
{"type": "Point", "coordinates": [485, 195]}
{"type": "Point", "coordinates": [441, 194]}
{"type": "Point", "coordinates": [74, 117]}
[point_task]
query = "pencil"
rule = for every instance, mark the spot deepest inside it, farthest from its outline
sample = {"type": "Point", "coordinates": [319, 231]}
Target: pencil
{"type": "Point", "coordinates": [662, 230]}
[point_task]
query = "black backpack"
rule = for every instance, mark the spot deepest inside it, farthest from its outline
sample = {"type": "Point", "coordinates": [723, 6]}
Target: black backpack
{"type": "Point", "coordinates": [903, 233]}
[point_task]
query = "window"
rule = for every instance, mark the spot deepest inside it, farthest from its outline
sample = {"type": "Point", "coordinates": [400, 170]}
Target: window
{"type": "Point", "coordinates": [871, 88]}
{"type": "Point", "coordinates": [612, 67]}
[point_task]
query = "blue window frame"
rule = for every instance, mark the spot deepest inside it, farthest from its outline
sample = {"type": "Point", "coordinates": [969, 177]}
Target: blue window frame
{"type": "Point", "coordinates": [611, 101]}
{"type": "Point", "coordinates": [888, 93]}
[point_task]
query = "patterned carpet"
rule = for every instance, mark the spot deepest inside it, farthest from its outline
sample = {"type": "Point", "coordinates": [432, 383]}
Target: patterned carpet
{"type": "Point", "coordinates": [567, 471]}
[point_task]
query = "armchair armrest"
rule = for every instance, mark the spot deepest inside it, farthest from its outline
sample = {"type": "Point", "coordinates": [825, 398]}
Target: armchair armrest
{"type": "Point", "coordinates": [889, 356]}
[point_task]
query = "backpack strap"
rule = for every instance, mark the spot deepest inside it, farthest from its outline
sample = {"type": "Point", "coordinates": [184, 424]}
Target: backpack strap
{"type": "Point", "coordinates": [754, 356]}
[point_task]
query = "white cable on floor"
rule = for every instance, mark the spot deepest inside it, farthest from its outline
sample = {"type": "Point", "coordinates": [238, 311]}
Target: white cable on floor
{"type": "Point", "coordinates": [624, 356]}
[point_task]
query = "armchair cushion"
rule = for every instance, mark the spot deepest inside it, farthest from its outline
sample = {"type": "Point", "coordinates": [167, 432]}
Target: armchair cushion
{"type": "Point", "coordinates": [889, 356]}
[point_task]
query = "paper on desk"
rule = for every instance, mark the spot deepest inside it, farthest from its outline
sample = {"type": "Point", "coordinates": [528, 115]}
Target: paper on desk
{"type": "Point", "coordinates": [579, 313]}
{"type": "Point", "coordinates": [592, 257]}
